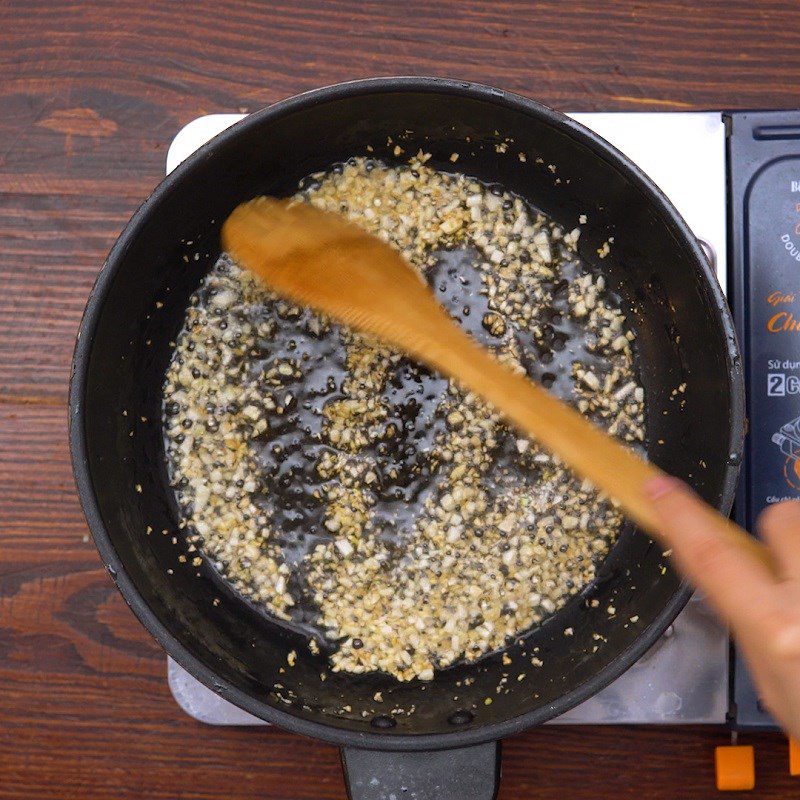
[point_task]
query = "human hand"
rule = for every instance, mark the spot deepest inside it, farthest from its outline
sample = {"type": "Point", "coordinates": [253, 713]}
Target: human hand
{"type": "Point", "coordinates": [762, 609]}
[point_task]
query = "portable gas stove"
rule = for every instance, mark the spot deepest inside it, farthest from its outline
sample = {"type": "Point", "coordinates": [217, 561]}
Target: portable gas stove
{"type": "Point", "coordinates": [735, 178]}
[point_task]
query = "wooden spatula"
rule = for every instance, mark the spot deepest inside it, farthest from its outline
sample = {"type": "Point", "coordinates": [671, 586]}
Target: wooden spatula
{"type": "Point", "coordinates": [320, 260]}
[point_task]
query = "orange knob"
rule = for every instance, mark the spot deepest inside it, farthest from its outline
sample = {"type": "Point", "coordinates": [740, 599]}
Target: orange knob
{"type": "Point", "coordinates": [794, 757]}
{"type": "Point", "coordinates": [735, 768]}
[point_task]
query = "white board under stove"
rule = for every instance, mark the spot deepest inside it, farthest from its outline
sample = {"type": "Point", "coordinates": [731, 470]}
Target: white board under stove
{"type": "Point", "coordinates": [684, 676]}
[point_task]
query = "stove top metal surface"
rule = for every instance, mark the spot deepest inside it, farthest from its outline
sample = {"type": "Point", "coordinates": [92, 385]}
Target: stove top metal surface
{"type": "Point", "coordinates": [684, 677]}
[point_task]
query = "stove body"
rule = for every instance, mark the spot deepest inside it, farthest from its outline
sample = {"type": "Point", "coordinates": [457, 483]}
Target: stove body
{"type": "Point", "coordinates": [763, 157]}
{"type": "Point", "coordinates": [709, 164]}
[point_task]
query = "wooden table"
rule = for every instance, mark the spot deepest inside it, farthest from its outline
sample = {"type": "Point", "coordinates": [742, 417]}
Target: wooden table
{"type": "Point", "coordinates": [90, 96]}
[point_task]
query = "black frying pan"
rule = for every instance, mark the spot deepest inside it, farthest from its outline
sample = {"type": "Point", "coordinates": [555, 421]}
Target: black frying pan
{"type": "Point", "coordinates": [684, 334]}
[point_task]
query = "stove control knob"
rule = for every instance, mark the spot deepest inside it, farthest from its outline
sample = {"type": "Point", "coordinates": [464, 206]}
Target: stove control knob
{"type": "Point", "coordinates": [735, 767]}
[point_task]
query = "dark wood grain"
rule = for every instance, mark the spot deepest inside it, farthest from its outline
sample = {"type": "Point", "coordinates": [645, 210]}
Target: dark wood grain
{"type": "Point", "coordinates": [90, 95]}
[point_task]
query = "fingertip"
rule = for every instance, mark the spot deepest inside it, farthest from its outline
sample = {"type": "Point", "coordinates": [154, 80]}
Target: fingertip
{"type": "Point", "coordinates": [662, 486]}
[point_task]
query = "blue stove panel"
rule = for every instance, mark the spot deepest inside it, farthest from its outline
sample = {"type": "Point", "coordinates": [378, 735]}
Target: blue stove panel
{"type": "Point", "coordinates": [764, 259]}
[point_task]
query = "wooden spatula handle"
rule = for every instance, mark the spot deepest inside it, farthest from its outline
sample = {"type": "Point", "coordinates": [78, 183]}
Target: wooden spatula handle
{"type": "Point", "coordinates": [588, 450]}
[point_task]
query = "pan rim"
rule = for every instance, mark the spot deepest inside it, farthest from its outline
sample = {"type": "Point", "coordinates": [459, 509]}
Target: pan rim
{"type": "Point", "coordinates": [78, 444]}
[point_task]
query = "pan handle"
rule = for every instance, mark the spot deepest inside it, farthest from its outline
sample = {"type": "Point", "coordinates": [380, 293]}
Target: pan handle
{"type": "Point", "coordinates": [467, 773]}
